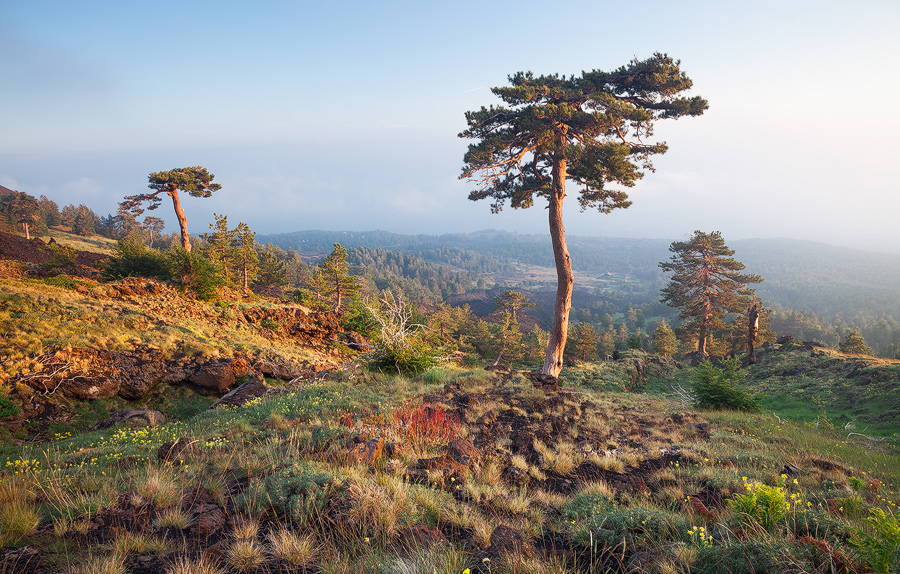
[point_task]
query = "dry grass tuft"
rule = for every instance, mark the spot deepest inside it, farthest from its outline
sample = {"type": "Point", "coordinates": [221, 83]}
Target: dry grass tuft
{"type": "Point", "coordinates": [291, 549]}
{"type": "Point", "coordinates": [185, 565]}
{"type": "Point", "coordinates": [112, 564]}
{"type": "Point", "coordinates": [245, 556]}
{"type": "Point", "coordinates": [172, 517]}
{"type": "Point", "coordinates": [159, 487]}
{"type": "Point", "coordinates": [18, 514]}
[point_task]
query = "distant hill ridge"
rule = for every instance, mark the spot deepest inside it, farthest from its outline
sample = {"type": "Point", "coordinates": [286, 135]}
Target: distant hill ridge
{"type": "Point", "coordinates": [801, 275]}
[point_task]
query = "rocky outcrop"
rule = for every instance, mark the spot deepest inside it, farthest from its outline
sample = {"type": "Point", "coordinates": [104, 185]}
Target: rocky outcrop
{"type": "Point", "coordinates": [138, 372]}
{"type": "Point", "coordinates": [220, 376]}
{"type": "Point", "coordinates": [133, 418]}
{"type": "Point", "coordinates": [174, 452]}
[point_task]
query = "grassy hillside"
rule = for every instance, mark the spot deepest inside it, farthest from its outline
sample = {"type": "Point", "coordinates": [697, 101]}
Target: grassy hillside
{"type": "Point", "coordinates": [455, 470]}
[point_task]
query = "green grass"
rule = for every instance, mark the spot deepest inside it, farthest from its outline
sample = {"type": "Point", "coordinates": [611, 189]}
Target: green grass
{"type": "Point", "coordinates": [283, 460]}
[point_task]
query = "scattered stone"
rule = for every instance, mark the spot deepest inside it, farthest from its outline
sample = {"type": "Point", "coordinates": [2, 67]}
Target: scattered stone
{"type": "Point", "coordinates": [208, 520]}
{"type": "Point", "coordinates": [99, 387]}
{"type": "Point", "coordinates": [174, 452]}
{"type": "Point", "coordinates": [246, 392]}
{"type": "Point", "coordinates": [133, 418]}
{"type": "Point", "coordinates": [639, 562]}
{"type": "Point", "coordinates": [367, 452]}
{"type": "Point", "coordinates": [137, 375]}
{"type": "Point", "coordinates": [463, 451]}
{"type": "Point", "coordinates": [414, 539]}
{"type": "Point", "coordinates": [505, 540]}
{"type": "Point", "coordinates": [541, 380]}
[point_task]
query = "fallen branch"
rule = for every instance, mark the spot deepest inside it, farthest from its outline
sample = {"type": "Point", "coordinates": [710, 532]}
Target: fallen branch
{"type": "Point", "coordinates": [866, 437]}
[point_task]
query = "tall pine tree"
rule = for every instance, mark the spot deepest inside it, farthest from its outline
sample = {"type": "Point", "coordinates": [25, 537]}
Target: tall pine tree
{"type": "Point", "coordinates": [593, 130]}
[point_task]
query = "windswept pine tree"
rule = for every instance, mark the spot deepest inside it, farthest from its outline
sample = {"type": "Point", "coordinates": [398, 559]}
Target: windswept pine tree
{"type": "Point", "coordinates": [592, 130]}
{"type": "Point", "coordinates": [195, 181]}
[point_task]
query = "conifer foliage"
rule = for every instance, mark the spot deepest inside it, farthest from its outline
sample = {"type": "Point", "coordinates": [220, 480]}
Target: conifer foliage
{"type": "Point", "coordinates": [332, 280]}
{"type": "Point", "coordinates": [195, 181]}
{"type": "Point", "coordinates": [592, 130]}
{"type": "Point", "coordinates": [706, 284]}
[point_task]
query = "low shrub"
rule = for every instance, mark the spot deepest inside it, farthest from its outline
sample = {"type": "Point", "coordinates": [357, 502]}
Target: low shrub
{"type": "Point", "coordinates": [413, 356]}
{"type": "Point", "coordinates": [8, 408]}
{"type": "Point", "coordinates": [761, 504]}
{"type": "Point", "coordinates": [133, 259]}
{"type": "Point", "coordinates": [879, 546]}
{"type": "Point", "coordinates": [634, 526]}
{"type": "Point", "coordinates": [716, 387]}
{"type": "Point", "coordinates": [194, 271]}
{"type": "Point", "coordinates": [299, 491]}
{"type": "Point", "coordinates": [747, 557]}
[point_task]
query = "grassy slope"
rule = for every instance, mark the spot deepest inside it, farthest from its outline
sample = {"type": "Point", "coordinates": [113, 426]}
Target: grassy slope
{"type": "Point", "coordinates": [245, 457]}
{"type": "Point", "coordinates": [40, 317]}
{"type": "Point", "coordinates": [61, 496]}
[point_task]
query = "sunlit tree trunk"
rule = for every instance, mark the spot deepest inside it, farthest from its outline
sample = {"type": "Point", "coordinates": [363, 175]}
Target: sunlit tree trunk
{"type": "Point", "coordinates": [182, 219]}
{"type": "Point", "coordinates": [553, 362]}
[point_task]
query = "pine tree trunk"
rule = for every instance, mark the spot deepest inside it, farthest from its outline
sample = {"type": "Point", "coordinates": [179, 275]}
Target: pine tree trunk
{"type": "Point", "coordinates": [182, 219]}
{"type": "Point", "coordinates": [554, 358]}
{"type": "Point", "coordinates": [752, 332]}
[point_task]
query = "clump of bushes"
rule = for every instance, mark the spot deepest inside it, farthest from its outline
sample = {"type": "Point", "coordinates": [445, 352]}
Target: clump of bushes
{"type": "Point", "coordinates": [414, 356]}
{"type": "Point", "coordinates": [187, 269]}
{"type": "Point", "coordinates": [133, 259]}
{"type": "Point", "coordinates": [717, 387]}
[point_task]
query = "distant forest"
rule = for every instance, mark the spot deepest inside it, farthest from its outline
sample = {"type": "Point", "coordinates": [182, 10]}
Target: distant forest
{"type": "Point", "coordinates": [815, 291]}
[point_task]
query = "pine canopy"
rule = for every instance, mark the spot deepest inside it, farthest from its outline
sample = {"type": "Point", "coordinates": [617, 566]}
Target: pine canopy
{"type": "Point", "coordinates": [706, 284]}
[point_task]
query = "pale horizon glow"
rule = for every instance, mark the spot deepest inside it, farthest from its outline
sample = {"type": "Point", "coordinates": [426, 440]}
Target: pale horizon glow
{"type": "Point", "coordinates": [346, 116]}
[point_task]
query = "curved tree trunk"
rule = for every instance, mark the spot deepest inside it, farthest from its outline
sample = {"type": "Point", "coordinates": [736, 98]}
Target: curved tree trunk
{"type": "Point", "coordinates": [182, 220]}
{"type": "Point", "coordinates": [565, 278]}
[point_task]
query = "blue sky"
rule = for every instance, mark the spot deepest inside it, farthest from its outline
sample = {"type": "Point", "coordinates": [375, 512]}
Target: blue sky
{"type": "Point", "coordinates": [345, 115]}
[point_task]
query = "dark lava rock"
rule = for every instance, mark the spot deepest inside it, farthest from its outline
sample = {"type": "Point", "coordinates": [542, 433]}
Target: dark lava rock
{"type": "Point", "coordinates": [25, 560]}
{"type": "Point", "coordinates": [506, 540]}
{"type": "Point", "coordinates": [253, 388]}
{"type": "Point", "coordinates": [174, 452]}
{"type": "Point", "coordinates": [208, 521]}
{"type": "Point", "coordinates": [219, 376]}
{"type": "Point", "coordinates": [367, 452]}
{"type": "Point", "coordinates": [137, 374]}
{"type": "Point", "coordinates": [132, 417]}
{"type": "Point", "coordinates": [415, 539]}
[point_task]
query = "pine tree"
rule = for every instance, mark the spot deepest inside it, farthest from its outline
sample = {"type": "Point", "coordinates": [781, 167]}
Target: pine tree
{"type": "Point", "coordinates": [706, 284]}
{"type": "Point", "coordinates": [272, 275]}
{"type": "Point", "coordinates": [246, 260]}
{"type": "Point", "coordinates": [331, 279]}
{"type": "Point", "coordinates": [513, 301]}
{"type": "Point", "coordinates": [84, 222]}
{"type": "Point", "coordinates": [664, 341]}
{"type": "Point", "coordinates": [195, 181]}
{"type": "Point", "coordinates": [592, 130]}
{"type": "Point", "coordinates": [854, 344]}
{"type": "Point", "coordinates": [220, 245]}
{"type": "Point", "coordinates": [584, 342]}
